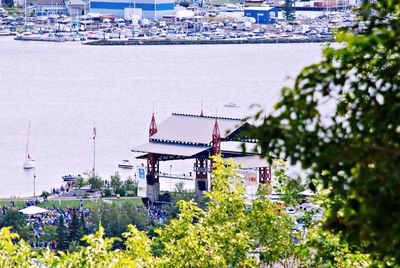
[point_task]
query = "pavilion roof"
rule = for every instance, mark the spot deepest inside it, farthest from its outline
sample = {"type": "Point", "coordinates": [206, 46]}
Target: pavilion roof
{"type": "Point", "coordinates": [196, 129]}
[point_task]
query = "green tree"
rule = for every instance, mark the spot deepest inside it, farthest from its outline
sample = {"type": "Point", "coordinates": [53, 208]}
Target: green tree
{"type": "Point", "coordinates": [62, 235]}
{"type": "Point", "coordinates": [96, 183]}
{"type": "Point", "coordinates": [83, 225]}
{"type": "Point", "coordinates": [45, 194]}
{"type": "Point", "coordinates": [288, 10]}
{"type": "Point", "coordinates": [107, 192]}
{"type": "Point", "coordinates": [179, 193]}
{"type": "Point", "coordinates": [12, 253]}
{"type": "Point", "coordinates": [136, 213]}
{"type": "Point", "coordinates": [115, 217]}
{"type": "Point", "coordinates": [9, 3]}
{"type": "Point", "coordinates": [81, 182]}
{"type": "Point", "coordinates": [131, 185]}
{"type": "Point", "coordinates": [288, 187]}
{"type": "Point", "coordinates": [341, 122]}
{"type": "Point", "coordinates": [121, 191]}
{"type": "Point", "coordinates": [17, 221]}
{"type": "Point", "coordinates": [116, 181]}
{"type": "Point", "coordinates": [75, 229]}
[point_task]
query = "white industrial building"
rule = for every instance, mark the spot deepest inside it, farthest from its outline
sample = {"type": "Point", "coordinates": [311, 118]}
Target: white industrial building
{"type": "Point", "coordinates": [151, 9]}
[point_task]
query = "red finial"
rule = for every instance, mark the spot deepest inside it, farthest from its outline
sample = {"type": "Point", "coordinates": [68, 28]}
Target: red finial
{"type": "Point", "coordinates": [216, 139]}
{"type": "Point", "coordinates": [153, 126]}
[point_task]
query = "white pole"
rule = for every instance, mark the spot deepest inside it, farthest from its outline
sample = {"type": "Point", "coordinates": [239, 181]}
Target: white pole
{"type": "Point", "coordinates": [25, 12]}
{"type": "Point", "coordinates": [34, 185]}
{"type": "Point", "coordinates": [94, 156]}
{"type": "Point", "coordinates": [94, 150]}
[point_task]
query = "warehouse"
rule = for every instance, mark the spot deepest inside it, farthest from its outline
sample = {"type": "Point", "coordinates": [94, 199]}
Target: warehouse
{"type": "Point", "coordinates": [262, 15]}
{"type": "Point", "coordinates": [151, 9]}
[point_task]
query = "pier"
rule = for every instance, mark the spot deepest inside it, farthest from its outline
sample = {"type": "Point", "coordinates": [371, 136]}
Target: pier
{"type": "Point", "coordinates": [155, 42]}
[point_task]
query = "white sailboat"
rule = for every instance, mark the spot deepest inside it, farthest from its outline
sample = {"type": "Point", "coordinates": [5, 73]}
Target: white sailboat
{"type": "Point", "coordinates": [29, 162]}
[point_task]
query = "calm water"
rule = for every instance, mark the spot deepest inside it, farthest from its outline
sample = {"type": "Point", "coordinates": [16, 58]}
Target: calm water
{"type": "Point", "coordinates": [63, 89]}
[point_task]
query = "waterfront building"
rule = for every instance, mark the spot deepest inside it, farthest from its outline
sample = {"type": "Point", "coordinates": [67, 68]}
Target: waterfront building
{"type": "Point", "coordinates": [151, 9]}
{"type": "Point", "coordinates": [47, 7]}
{"type": "Point", "coordinates": [77, 7]}
{"type": "Point", "coordinates": [262, 15]}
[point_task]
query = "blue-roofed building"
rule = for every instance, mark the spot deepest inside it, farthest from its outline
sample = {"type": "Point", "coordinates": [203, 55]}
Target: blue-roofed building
{"type": "Point", "coordinates": [151, 9]}
{"type": "Point", "coordinates": [262, 15]}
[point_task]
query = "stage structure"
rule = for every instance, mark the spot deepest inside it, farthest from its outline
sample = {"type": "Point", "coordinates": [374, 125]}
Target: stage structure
{"type": "Point", "coordinates": [185, 136]}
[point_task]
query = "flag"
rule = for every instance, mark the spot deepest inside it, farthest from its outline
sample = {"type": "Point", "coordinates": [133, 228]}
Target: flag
{"type": "Point", "coordinates": [94, 132]}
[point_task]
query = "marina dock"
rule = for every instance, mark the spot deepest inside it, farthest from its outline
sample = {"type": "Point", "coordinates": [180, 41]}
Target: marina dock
{"type": "Point", "coordinates": [138, 42]}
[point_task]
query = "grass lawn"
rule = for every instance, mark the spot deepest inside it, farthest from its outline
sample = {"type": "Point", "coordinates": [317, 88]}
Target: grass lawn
{"type": "Point", "coordinates": [73, 202]}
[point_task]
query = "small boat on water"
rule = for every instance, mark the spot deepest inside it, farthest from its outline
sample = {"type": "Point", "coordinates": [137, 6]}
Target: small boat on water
{"type": "Point", "coordinates": [125, 164]}
{"type": "Point", "coordinates": [231, 105]}
{"type": "Point", "coordinates": [71, 177]}
{"type": "Point", "coordinates": [29, 163]}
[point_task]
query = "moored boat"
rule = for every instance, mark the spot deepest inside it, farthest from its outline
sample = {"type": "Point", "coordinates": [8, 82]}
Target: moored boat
{"type": "Point", "coordinates": [29, 163]}
{"type": "Point", "coordinates": [125, 164]}
{"type": "Point", "coordinates": [71, 177]}
{"type": "Point", "coordinates": [231, 105]}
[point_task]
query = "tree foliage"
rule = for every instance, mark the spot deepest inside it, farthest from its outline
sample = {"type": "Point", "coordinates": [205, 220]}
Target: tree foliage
{"type": "Point", "coordinates": [341, 122]}
{"type": "Point", "coordinates": [75, 228]}
{"type": "Point", "coordinates": [96, 183]}
{"type": "Point", "coordinates": [288, 10]}
{"type": "Point", "coordinates": [288, 187]}
{"type": "Point", "coordinates": [16, 220]}
{"type": "Point", "coordinates": [116, 217]}
{"type": "Point", "coordinates": [62, 234]}
{"type": "Point", "coordinates": [9, 3]}
{"type": "Point", "coordinates": [81, 182]}
{"type": "Point", "coordinates": [131, 185]}
{"type": "Point", "coordinates": [116, 181]}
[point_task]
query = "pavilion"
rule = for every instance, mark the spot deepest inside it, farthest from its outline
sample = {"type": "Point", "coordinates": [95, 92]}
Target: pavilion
{"type": "Point", "coordinates": [185, 136]}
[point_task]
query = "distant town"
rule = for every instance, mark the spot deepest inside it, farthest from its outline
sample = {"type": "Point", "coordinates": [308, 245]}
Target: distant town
{"type": "Point", "coordinates": [167, 22]}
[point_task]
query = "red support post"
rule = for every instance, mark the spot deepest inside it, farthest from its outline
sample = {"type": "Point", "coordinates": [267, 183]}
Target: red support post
{"type": "Point", "coordinates": [265, 175]}
{"type": "Point", "coordinates": [152, 161]}
{"type": "Point", "coordinates": [216, 139]}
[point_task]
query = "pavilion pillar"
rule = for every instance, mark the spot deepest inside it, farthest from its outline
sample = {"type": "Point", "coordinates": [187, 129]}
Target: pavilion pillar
{"type": "Point", "coordinates": [201, 181]}
{"type": "Point", "coordinates": [152, 178]}
{"type": "Point", "coordinates": [265, 175]}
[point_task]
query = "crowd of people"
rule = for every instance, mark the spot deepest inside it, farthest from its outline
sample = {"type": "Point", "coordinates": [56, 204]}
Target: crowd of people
{"type": "Point", "coordinates": [37, 224]}
{"type": "Point", "coordinates": [156, 213]}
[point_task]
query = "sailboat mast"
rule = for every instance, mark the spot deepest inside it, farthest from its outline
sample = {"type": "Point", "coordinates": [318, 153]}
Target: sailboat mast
{"type": "Point", "coordinates": [27, 140]}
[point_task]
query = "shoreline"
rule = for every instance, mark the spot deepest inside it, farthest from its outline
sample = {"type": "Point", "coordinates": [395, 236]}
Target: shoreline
{"type": "Point", "coordinates": [155, 42]}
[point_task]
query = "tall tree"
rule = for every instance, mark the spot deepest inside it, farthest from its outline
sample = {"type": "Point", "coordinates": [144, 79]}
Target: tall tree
{"type": "Point", "coordinates": [9, 3]}
{"type": "Point", "coordinates": [75, 230]}
{"type": "Point", "coordinates": [95, 183]}
{"type": "Point", "coordinates": [116, 181]}
{"type": "Point", "coordinates": [288, 10]}
{"type": "Point", "coordinates": [341, 122]}
{"type": "Point", "coordinates": [62, 236]}
{"type": "Point", "coordinates": [17, 221]}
